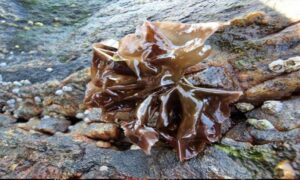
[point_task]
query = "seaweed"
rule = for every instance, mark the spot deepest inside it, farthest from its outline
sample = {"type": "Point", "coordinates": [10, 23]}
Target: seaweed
{"type": "Point", "coordinates": [140, 81]}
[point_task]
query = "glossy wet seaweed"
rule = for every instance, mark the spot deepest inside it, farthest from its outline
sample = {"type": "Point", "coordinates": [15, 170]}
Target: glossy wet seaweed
{"type": "Point", "coordinates": [140, 82]}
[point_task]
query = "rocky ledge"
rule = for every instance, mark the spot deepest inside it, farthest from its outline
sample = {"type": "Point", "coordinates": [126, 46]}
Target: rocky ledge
{"type": "Point", "coordinates": [47, 132]}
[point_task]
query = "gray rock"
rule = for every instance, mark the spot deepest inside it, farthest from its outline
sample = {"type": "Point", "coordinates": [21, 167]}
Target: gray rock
{"type": "Point", "coordinates": [283, 115]}
{"type": "Point", "coordinates": [6, 121]}
{"type": "Point", "coordinates": [272, 107]}
{"type": "Point", "coordinates": [30, 125]}
{"type": "Point", "coordinates": [263, 136]}
{"type": "Point", "coordinates": [40, 156]}
{"type": "Point", "coordinates": [93, 115]}
{"type": "Point", "coordinates": [52, 125]}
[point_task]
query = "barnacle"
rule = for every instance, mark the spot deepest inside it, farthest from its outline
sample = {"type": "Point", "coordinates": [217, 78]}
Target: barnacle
{"type": "Point", "coordinates": [140, 82]}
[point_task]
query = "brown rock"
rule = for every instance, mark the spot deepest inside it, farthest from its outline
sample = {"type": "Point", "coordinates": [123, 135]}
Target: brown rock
{"type": "Point", "coordinates": [103, 144]}
{"type": "Point", "coordinates": [103, 131]}
{"type": "Point", "coordinates": [27, 110]}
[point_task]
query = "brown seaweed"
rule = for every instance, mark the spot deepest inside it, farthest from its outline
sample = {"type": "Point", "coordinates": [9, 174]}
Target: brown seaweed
{"type": "Point", "coordinates": [140, 81]}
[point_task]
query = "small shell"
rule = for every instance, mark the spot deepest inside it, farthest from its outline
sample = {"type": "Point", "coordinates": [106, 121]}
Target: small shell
{"type": "Point", "coordinates": [272, 107]}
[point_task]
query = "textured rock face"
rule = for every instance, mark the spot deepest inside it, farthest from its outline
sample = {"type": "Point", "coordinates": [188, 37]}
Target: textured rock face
{"type": "Point", "coordinates": [30, 157]}
{"type": "Point", "coordinates": [56, 43]}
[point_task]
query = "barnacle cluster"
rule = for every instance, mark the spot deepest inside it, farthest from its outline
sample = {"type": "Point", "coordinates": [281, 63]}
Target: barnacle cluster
{"type": "Point", "coordinates": [140, 81]}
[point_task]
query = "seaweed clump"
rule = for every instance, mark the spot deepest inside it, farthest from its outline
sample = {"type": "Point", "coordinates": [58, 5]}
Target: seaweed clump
{"type": "Point", "coordinates": [140, 82]}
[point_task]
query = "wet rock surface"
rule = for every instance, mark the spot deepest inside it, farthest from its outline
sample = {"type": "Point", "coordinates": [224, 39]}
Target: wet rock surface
{"type": "Point", "coordinates": [44, 64]}
{"type": "Point", "coordinates": [69, 159]}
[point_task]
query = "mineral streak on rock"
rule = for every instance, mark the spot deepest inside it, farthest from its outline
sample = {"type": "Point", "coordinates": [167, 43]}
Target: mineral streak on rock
{"type": "Point", "coordinates": [145, 76]}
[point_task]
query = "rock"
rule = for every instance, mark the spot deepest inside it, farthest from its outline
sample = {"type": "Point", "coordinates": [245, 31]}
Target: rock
{"type": "Point", "coordinates": [37, 100]}
{"type": "Point", "coordinates": [244, 107]}
{"type": "Point", "coordinates": [67, 88]}
{"type": "Point", "coordinates": [27, 109]}
{"type": "Point", "coordinates": [103, 144]}
{"type": "Point", "coordinates": [11, 103]}
{"type": "Point", "coordinates": [284, 115]}
{"type": "Point", "coordinates": [240, 133]}
{"type": "Point", "coordinates": [17, 83]}
{"type": "Point", "coordinates": [214, 77]}
{"type": "Point", "coordinates": [242, 53]}
{"type": "Point", "coordinates": [268, 136]}
{"type": "Point", "coordinates": [261, 124]}
{"type": "Point", "coordinates": [79, 116]}
{"type": "Point", "coordinates": [93, 115]}
{"type": "Point", "coordinates": [16, 90]}
{"type": "Point", "coordinates": [134, 147]}
{"type": "Point", "coordinates": [236, 144]}
{"type": "Point", "coordinates": [49, 69]}
{"type": "Point", "coordinates": [6, 121]}
{"type": "Point", "coordinates": [103, 131]}
{"type": "Point", "coordinates": [78, 128]}
{"type": "Point", "coordinates": [103, 168]}
{"type": "Point", "coordinates": [272, 107]}
{"type": "Point", "coordinates": [52, 125]}
{"type": "Point", "coordinates": [3, 64]}
{"type": "Point", "coordinates": [30, 125]}
{"type": "Point", "coordinates": [59, 92]}
{"type": "Point", "coordinates": [284, 170]}
{"type": "Point", "coordinates": [60, 156]}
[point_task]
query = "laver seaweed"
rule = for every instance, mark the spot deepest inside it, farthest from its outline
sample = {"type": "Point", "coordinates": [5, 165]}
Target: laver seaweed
{"type": "Point", "coordinates": [140, 81]}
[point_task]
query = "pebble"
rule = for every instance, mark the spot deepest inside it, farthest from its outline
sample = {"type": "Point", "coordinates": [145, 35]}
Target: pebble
{"type": "Point", "coordinates": [103, 144]}
{"type": "Point", "coordinates": [87, 120]}
{"type": "Point", "coordinates": [59, 92]}
{"type": "Point", "coordinates": [30, 22]}
{"type": "Point", "coordinates": [16, 91]}
{"type": "Point", "coordinates": [26, 82]}
{"type": "Point", "coordinates": [261, 124]}
{"type": "Point", "coordinates": [17, 83]}
{"type": "Point", "coordinates": [134, 147]}
{"type": "Point", "coordinates": [79, 116]}
{"type": "Point", "coordinates": [37, 100]}
{"type": "Point", "coordinates": [11, 103]}
{"type": "Point", "coordinates": [272, 107]}
{"type": "Point", "coordinates": [244, 107]}
{"type": "Point", "coordinates": [3, 64]}
{"type": "Point", "coordinates": [39, 24]}
{"type": "Point", "coordinates": [6, 83]}
{"type": "Point", "coordinates": [103, 168]}
{"type": "Point", "coordinates": [67, 89]}
{"type": "Point", "coordinates": [49, 69]}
